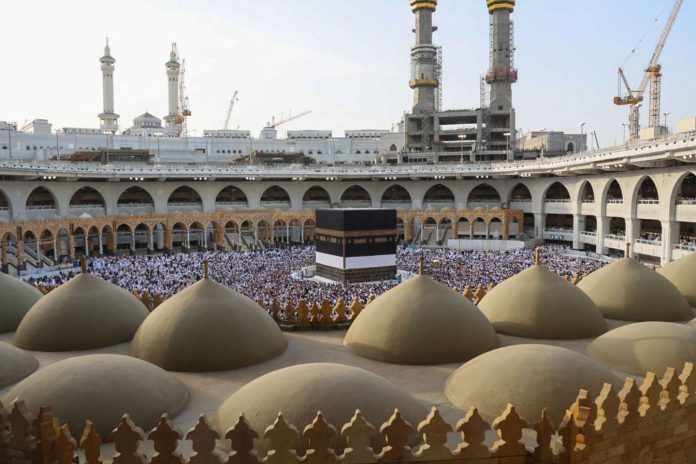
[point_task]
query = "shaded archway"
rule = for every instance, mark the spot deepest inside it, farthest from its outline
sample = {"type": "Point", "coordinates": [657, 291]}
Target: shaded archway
{"type": "Point", "coordinates": [444, 231]}
{"type": "Point", "coordinates": [557, 193]}
{"type": "Point", "coordinates": [231, 197]}
{"type": "Point", "coordinates": [438, 196]}
{"type": "Point", "coordinates": [197, 236]}
{"type": "Point", "coordinates": [41, 204]}
{"type": "Point", "coordinates": [647, 192]}
{"type": "Point", "coordinates": [686, 193]}
{"type": "Point", "coordinates": [180, 236]}
{"type": "Point", "coordinates": [124, 238]}
{"type": "Point", "coordinates": [142, 238]}
{"type": "Point", "coordinates": [275, 197]}
{"type": "Point", "coordinates": [264, 231]}
{"type": "Point", "coordinates": [480, 231]}
{"type": "Point", "coordinates": [559, 223]}
{"type": "Point", "coordinates": [396, 196]}
{"type": "Point", "coordinates": [295, 231]}
{"type": "Point", "coordinates": [356, 197]}
{"type": "Point", "coordinates": [5, 210]}
{"type": "Point", "coordinates": [463, 228]}
{"type": "Point", "coordinates": [587, 193]}
{"type": "Point", "coordinates": [617, 228]}
{"type": "Point", "coordinates": [495, 229]}
{"type": "Point", "coordinates": [281, 232]}
{"type": "Point", "coordinates": [520, 194]}
{"type": "Point", "coordinates": [316, 197]}
{"type": "Point", "coordinates": [48, 245]}
{"type": "Point", "coordinates": [614, 193]}
{"type": "Point", "coordinates": [135, 201]}
{"type": "Point", "coordinates": [94, 244]}
{"type": "Point", "coordinates": [184, 199]}
{"type": "Point", "coordinates": [483, 195]}
{"type": "Point", "coordinates": [87, 202]}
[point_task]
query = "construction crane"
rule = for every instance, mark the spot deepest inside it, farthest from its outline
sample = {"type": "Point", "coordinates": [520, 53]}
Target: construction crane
{"type": "Point", "coordinates": [274, 124]}
{"type": "Point", "coordinates": [183, 112]}
{"type": "Point", "coordinates": [229, 110]}
{"type": "Point", "coordinates": [652, 76]}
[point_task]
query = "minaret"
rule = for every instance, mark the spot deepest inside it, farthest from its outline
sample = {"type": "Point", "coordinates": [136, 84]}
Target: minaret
{"type": "Point", "coordinates": [502, 73]}
{"type": "Point", "coordinates": [424, 58]}
{"type": "Point", "coordinates": [109, 119]}
{"type": "Point", "coordinates": [173, 68]}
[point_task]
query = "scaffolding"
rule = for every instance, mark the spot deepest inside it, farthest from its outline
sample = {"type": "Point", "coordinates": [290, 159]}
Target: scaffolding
{"type": "Point", "coordinates": [438, 76]}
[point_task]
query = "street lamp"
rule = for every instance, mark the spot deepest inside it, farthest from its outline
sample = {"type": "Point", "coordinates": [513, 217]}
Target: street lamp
{"type": "Point", "coordinates": [583, 144]}
{"type": "Point", "coordinates": [461, 141]}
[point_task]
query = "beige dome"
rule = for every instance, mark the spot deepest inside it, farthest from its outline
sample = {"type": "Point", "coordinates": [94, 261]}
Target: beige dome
{"type": "Point", "coordinates": [536, 303]}
{"type": "Point", "coordinates": [300, 391]}
{"type": "Point", "coordinates": [628, 291]}
{"type": "Point", "coordinates": [207, 327]}
{"type": "Point", "coordinates": [15, 364]}
{"type": "Point", "coordinates": [101, 388]}
{"type": "Point", "coordinates": [82, 314]}
{"type": "Point", "coordinates": [646, 346]}
{"type": "Point", "coordinates": [530, 377]}
{"type": "Point", "coordinates": [421, 322]}
{"type": "Point", "coordinates": [17, 298]}
{"type": "Point", "coordinates": [682, 274]}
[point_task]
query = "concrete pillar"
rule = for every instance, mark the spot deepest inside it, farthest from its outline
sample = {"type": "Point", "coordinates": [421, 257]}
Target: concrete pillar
{"type": "Point", "coordinates": [287, 232]}
{"type": "Point", "coordinates": [55, 249]}
{"type": "Point", "coordinates": [471, 230]}
{"type": "Point", "coordinates": [539, 225]}
{"type": "Point", "coordinates": [632, 233]}
{"type": "Point", "coordinates": [71, 246]}
{"type": "Point", "coordinates": [670, 231]}
{"type": "Point", "coordinates": [168, 239]}
{"type": "Point", "coordinates": [101, 244]}
{"type": "Point", "coordinates": [39, 259]}
{"type": "Point", "coordinates": [578, 225]}
{"type": "Point", "coordinates": [602, 226]}
{"type": "Point", "coordinates": [20, 253]}
{"type": "Point", "coordinates": [205, 239]}
{"type": "Point", "coordinates": [151, 242]}
{"type": "Point", "coordinates": [188, 238]}
{"type": "Point", "coordinates": [302, 233]}
{"type": "Point", "coordinates": [132, 244]}
{"type": "Point", "coordinates": [3, 257]}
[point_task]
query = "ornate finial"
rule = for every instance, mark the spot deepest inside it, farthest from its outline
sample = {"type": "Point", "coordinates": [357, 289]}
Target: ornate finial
{"type": "Point", "coordinates": [421, 265]}
{"type": "Point", "coordinates": [83, 264]}
{"type": "Point", "coordinates": [537, 256]}
{"type": "Point", "coordinates": [205, 269]}
{"type": "Point", "coordinates": [628, 250]}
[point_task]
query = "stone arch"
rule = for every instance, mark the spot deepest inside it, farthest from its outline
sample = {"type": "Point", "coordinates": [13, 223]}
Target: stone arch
{"type": "Point", "coordinates": [135, 201]}
{"type": "Point", "coordinates": [309, 228]}
{"type": "Point", "coordinates": [281, 231]}
{"type": "Point", "coordinates": [184, 198]}
{"type": "Point", "coordinates": [197, 234]}
{"type": "Point", "coordinates": [495, 228]}
{"type": "Point", "coordinates": [124, 236]}
{"type": "Point", "coordinates": [142, 236]}
{"type": "Point", "coordinates": [479, 228]}
{"type": "Point", "coordinates": [356, 195]}
{"type": "Point", "coordinates": [275, 197]}
{"type": "Point", "coordinates": [5, 207]}
{"type": "Point", "coordinates": [463, 227]}
{"type": "Point", "coordinates": [179, 234]}
{"type": "Point", "coordinates": [684, 190]}
{"type": "Point", "coordinates": [41, 203]}
{"type": "Point", "coordinates": [586, 193]}
{"type": "Point", "coordinates": [520, 193]}
{"type": "Point", "coordinates": [483, 194]}
{"type": "Point", "coordinates": [438, 195]}
{"type": "Point", "coordinates": [231, 197]}
{"type": "Point", "coordinates": [87, 200]}
{"type": "Point", "coordinates": [316, 197]}
{"type": "Point", "coordinates": [646, 190]}
{"type": "Point", "coordinates": [556, 193]}
{"type": "Point", "coordinates": [396, 195]}
{"type": "Point", "coordinates": [264, 231]}
{"type": "Point", "coordinates": [613, 192]}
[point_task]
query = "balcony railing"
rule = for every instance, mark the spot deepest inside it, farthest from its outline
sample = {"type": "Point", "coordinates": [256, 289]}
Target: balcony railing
{"type": "Point", "coordinates": [656, 242]}
{"type": "Point", "coordinates": [230, 204]}
{"type": "Point", "coordinates": [558, 200]}
{"type": "Point", "coordinates": [686, 247]}
{"type": "Point", "coordinates": [615, 237]}
{"type": "Point", "coordinates": [588, 233]}
{"type": "Point", "coordinates": [686, 201]}
{"type": "Point", "coordinates": [615, 201]}
{"type": "Point", "coordinates": [648, 201]}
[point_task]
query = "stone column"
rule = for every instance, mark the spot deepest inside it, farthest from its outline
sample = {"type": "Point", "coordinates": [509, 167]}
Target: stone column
{"type": "Point", "coordinates": [167, 239]}
{"type": "Point", "coordinates": [20, 254]}
{"type": "Point", "coordinates": [39, 258]}
{"type": "Point", "coordinates": [471, 230]}
{"type": "Point", "coordinates": [539, 225]}
{"type": "Point", "coordinates": [55, 249]}
{"type": "Point", "coordinates": [151, 242]}
{"type": "Point", "coordinates": [71, 246]}
{"type": "Point", "coordinates": [632, 233]}
{"type": "Point", "coordinates": [670, 231]}
{"type": "Point", "coordinates": [3, 256]}
{"type": "Point", "coordinates": [101, 244]}
{"type": "Point", "coordinates": [578, 225]}
{"type": "Point", "coordinates": [188, 238]}
{"type": "Point", "coordinates": [506, 228]}
{"type": "Point", "coordinates": [602, 225]}
{"type": "Point", "coordinates": [205, 238]}
{"type": "Point", "coordinates": [302, 233]}
{"type": "Point", "coordinates": [287, 232]}
{"type": "Point", "coordinates": [132, 241]}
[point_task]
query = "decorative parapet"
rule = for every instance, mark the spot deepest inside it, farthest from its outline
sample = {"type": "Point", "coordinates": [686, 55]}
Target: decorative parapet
{"type": "Point", "coordinates": [655, 422]}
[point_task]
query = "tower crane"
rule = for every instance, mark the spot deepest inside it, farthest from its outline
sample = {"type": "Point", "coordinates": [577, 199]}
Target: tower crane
{"type": "Point", "coordinates": [274, 124]}
{"type": "Point", "coordinates": [184, 111]}
{"type": "Point", "coordinates": [652, 76]}
{"type": "Point", "coordinates": [229, 110]}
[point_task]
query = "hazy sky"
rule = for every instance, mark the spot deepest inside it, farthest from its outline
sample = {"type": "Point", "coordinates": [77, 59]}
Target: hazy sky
{"type": "Point", "coordinates": [346, 60]}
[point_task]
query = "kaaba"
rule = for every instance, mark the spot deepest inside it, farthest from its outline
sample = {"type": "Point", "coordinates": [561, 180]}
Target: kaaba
{"type": "Point", "coordinates": [356, 245]}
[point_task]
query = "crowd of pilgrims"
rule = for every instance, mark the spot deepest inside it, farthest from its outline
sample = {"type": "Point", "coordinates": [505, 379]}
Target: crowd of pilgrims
{"type": "Point", "coordinates": [268, 274]}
